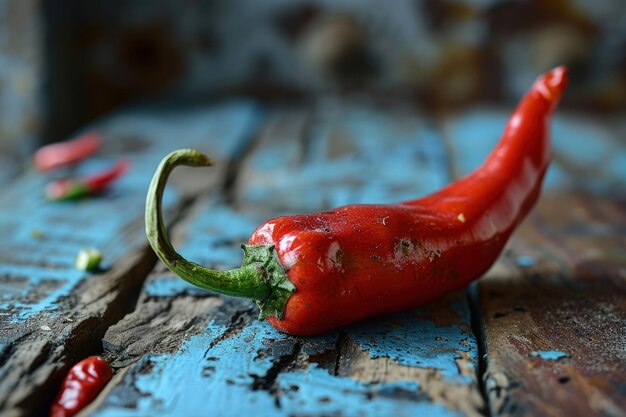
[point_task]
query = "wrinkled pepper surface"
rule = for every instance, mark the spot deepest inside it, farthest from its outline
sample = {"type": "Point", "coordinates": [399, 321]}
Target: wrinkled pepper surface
{"type": "Point", "coordinates": [311, 273]}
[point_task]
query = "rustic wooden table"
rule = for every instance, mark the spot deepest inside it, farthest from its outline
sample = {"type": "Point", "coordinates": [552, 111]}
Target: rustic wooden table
{"type": "Point", "coordinates": [544, 333]}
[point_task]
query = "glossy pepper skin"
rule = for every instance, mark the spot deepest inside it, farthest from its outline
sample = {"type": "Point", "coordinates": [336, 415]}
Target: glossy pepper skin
{"type": "Point", "coordinates": [361, 261]}
{"type": "Point", "coordinates": [83, 383]}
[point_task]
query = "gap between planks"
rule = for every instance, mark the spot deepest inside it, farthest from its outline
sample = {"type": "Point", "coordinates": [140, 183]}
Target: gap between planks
{"type": "Point", "coordinates": [79, 338]}
{"type": "Point", "coordinates": [454, 172]}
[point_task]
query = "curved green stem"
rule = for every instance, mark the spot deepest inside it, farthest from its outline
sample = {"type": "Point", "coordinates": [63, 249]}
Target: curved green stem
{"type": "Point", "coordinates": [240, 282]}
{"type": "Point", "coordinates": [261, 276]}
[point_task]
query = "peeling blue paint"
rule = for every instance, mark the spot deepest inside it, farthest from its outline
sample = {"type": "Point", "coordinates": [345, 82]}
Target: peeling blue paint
{"type": "Point", "coordinates": [67, 228]}
{"type": "Point", "coordinates": [321, 394]}
{"type": "Point", "coordinates": [208, 375]}
{"type": "Point", "coordinates": [412, 341]}
{"type": "Point", "coordinates": [548, 355]}
{"type": "Point", "coordinates": [40, 271]}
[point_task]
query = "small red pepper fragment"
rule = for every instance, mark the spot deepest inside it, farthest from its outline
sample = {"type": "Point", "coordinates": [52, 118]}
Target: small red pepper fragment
{"type": "Point", "coordinates": [81, 385]}
{"type": "Point", "coordinates": [65, 153]}
{"type": "Point", "coordinates": [70, 189]}
{"type": "Point", "coordinates": [315, 272]}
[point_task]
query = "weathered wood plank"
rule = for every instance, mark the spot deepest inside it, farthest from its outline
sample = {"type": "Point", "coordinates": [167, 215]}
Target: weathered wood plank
{"type": "Point", "coordinates": [552, 309]}
{"type": "Point", "coordinates": [186, 352]}
{"type": "Point", "coordinates": [347, 155]}
{"type": "Point", "coordinates": [52, 313]}
{"type": "Point", "coordinates": [554, 313]}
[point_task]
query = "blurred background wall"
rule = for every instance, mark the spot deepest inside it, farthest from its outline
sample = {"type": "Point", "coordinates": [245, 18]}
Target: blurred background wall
{"type": "Point", "coordinates": [65, 62]}
{"type": "Point", "coordinates": [21, 79]}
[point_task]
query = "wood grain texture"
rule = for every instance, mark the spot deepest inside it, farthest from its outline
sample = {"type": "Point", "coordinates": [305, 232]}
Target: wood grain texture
{"type": "Point", "coordinates": [186, 352]}
{"type": "Point", "coordinates": [553, 313]}
{"type": "Point", "coordinates": [54, 314]}
{"type": "Point", "coordinates": [552, 310]}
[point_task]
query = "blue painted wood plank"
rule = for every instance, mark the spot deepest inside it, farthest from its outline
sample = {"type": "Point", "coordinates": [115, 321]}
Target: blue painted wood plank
{"type": "Point", "coordinates": [228, 363]}
{"type": "Point", "coordinates": [219, 378]}
{"type": "Point", "coordinates": [554, 327]}
{"type": "Point", "coordinates": [352, 155]}
{"type": "Point", "coordinates": [50, 312]}
{"type": "Point", "coordinates": [43, 238]}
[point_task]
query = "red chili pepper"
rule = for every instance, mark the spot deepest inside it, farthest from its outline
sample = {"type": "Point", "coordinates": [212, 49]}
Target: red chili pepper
{"type": "Point", "coordinates": [65, 153]}
{"type": "Point", "coordinates": [83, 383]}
{"type": "Point", "coordinates": [315, 272]}
{"type": "Point", "coordinates": [68, 189]}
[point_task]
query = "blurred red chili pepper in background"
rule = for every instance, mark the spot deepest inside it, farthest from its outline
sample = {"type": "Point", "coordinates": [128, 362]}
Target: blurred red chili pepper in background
{"type": "Point", "coordinates": [81, 385]}
{"type": "Point", "coordinates": [65, 153]}
{"type": "Point", "coordinates": [73, 188]}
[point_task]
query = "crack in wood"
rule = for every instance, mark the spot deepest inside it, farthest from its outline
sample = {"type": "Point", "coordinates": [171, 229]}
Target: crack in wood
{"type": "Point", "coordinates": [238, 321]}
{"type": "Point", "coordinates": [104, 300]}
{"type": "Point", "coordinates": [478, 331]}
{"type": "Point", "coordinates": [340, 346]}
{"type": "Point", "coordinates": [327, 359]}
{"type": "Point", "coordinates": [138, 332]}
{"type": "Point", "coordinates": [267, 382]}
{"type": "Point", "coordinates": [39, 376]}
{"type": "Point", "coordinates": [568, 300]}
